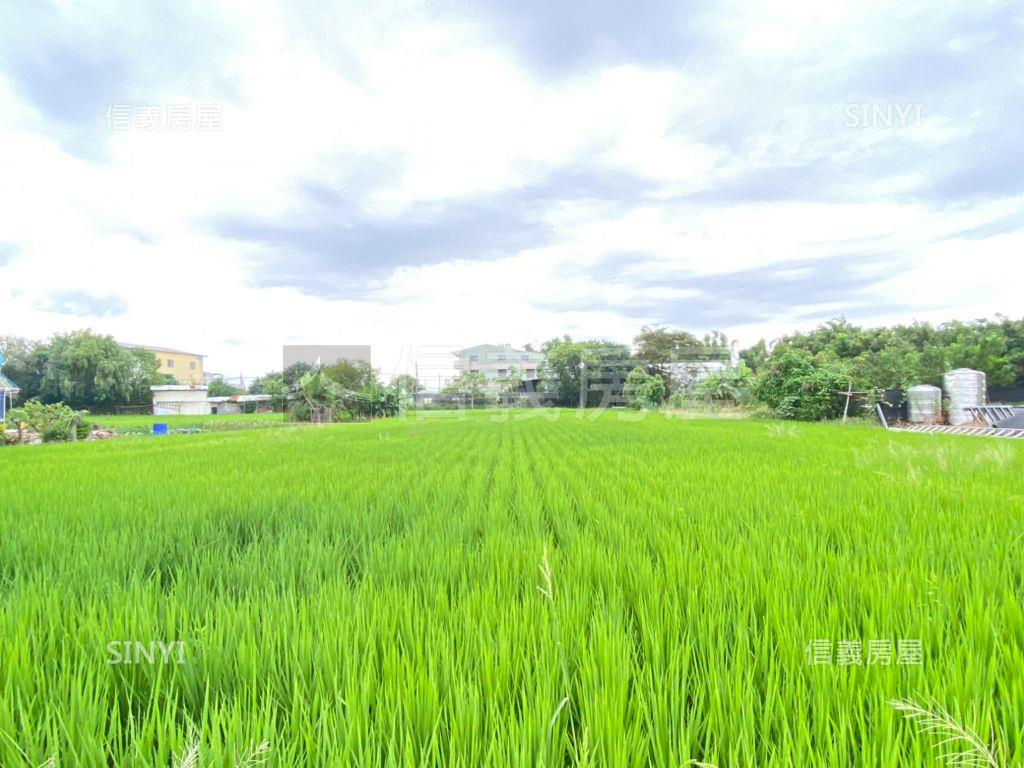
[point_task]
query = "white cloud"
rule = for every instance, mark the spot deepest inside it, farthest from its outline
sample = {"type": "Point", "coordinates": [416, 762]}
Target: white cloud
{"type": "Point", "coordinates": [402, 113]}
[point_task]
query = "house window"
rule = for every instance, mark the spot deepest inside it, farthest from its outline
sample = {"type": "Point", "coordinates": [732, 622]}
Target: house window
{"type": "Point", "coordinates": [170, 363]}
{"type": "Point", "coordinates": [501, 357]}
{"type": "Point", "coordinates": [474, 370]}
{"type": "Point", "coordinates": [474, 359]}
{"type": "Point", "coordinates": [503, 371]}
{"type": "Point", "coordinates": [192, 364]}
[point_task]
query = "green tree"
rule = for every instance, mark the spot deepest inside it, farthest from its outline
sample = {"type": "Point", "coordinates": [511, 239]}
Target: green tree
{"type": "Point", "coordinates": [798, 385]}
{"type": "Point", "coordinates": [352, 375]}
{"type": "Point", "coordinates": [317, 398]}
{"type": "Point", "coordinates": [470, 387]}
{"type": "Point", "coordinates": [292, 375]}
{"type": "Point", "coordinates": [83, 369]}
{"type": "Point", "coordinates": [509, 384]}
{"type": "Point", "coordinates": [605, 364]}
{"type": "Point", "coordinates": [271, 384]}
{"type": "Point", "coordinates": [643, 390]}
{"type": "Point", "coordinates": [756, 356]}
{"type": "Point", "coordinates": [407, 383]}
{"type": "Point", "coordinates": [25, 361]}
{"type": "Point", "coordinates": [732, 385]}
{"type": "Point", "coordinates": [220, 388]}
{"type": "Point", "coordinates": [919, 353]}
{"type": "Point", "coordinates": [660, 350]}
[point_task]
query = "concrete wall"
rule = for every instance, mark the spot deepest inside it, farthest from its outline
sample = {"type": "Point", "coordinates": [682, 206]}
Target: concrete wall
{"type": "Point", "coordinates": [186, 402]}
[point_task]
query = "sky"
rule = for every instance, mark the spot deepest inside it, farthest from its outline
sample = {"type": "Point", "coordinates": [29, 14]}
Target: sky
{"type": "Point", "coordinates": [228, 178]}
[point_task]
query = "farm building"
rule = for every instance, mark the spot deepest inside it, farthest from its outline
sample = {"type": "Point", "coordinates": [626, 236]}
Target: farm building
{"type": "Point", "coordinates": [179, 399]}
{"type": "Point", "coordinates": [239, 404]}
{"type": "Point", "coordinates": [7, 392]}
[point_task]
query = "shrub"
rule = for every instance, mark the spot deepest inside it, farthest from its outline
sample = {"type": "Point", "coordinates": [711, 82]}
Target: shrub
{"type": "Point", "coordinates": [54, 422]}
{"type": "Point", "coordinates": [731, 386]}
{"type": "Point", "coordinates": [643, 390]}
{"type": "Point", "coordinates": [799, 386]}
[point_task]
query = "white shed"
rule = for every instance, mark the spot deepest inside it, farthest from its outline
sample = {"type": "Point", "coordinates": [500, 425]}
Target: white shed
{"type": "Point", "coordinates": [179, 399]}
{"type": "Point", "coordinates": [239, 404]}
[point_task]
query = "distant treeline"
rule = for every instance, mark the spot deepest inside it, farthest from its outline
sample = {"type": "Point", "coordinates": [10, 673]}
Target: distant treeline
{"type": "Point", "coordinates": [796, 376]}
{"type": "Point", "coordinates": [904, 355]}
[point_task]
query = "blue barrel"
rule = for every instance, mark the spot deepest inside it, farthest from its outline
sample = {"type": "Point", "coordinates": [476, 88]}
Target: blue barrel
{"type": "Point", "coordinates": [159, 429]}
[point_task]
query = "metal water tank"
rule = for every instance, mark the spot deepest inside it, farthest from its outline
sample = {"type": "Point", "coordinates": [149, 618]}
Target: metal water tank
{"type": "Point", "coordinates": [965, 389]}
{"type": "Point", "coordinates": [924, 404]}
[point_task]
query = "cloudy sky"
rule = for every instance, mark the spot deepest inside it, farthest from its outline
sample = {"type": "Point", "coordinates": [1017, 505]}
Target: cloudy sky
{"type": "Point", "coordinates": [231, 177]}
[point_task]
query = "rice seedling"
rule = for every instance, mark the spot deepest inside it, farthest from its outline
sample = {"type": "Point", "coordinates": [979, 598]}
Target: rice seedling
{"type": "Point", "coordinates": [538, 590]}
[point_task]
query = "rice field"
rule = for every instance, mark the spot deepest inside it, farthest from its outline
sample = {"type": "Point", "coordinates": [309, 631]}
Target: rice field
{"type": "Point", "coordinates": [143, 424]}
{"type": "Point", "coordinates": [516, 590]}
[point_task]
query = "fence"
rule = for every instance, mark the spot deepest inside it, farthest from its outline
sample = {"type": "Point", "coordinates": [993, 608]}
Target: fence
{"type": "Point", "coordinates": [893, 402]}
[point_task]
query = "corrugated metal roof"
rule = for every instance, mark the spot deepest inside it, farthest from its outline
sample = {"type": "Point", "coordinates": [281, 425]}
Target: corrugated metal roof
{"type": "Point", "coordinates": [8, 385]}
{"type": "Point", "coordinates": [157, 349]}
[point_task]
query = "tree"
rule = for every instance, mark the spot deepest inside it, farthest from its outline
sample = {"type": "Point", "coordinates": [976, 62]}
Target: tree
{"type": "Point", "coordinates": [798, 385]}
{"type": "Point", "coordinates": [143, 373]}
{"type": "Point", "coordinates": [919, 353]}
{"type": "Point", "coordinates": [407, 383]}
{"type": "Point", "coordinates": [292, 375]}
{"type": "Point", "coordinates": [220, 388]}
{"type": "Point", "coordinates": [470, 387]}
{"type": "Point", "coordinates": [606, 365]}
{"type": "Point", "coordinates": [657, 347]}
{"type": "Point", "coordinates": [83, 369]}
{"type": "Point", "coordinates": [509, 384]}
{"type": "Point", "coordinates": [660, 350]}
{"type": "Point", "coordinates": [643, 390]}
{"type": "Point", "coordinates": [374, 400]}
{"type": "Point", "coordinates": [352, 375]}
{"type": "Point", "coordinates": [25, 360]}
{"type": "Point", "coordinates": [560, 371]}
{"type": "Point", "coordinates": [756, 356]}
{"type": "Point", "coordinates": [270, 384]}
{"type": "Point", "coordinates": [732, 385]}
{"type": "Point", "coordinates": [318, 398]}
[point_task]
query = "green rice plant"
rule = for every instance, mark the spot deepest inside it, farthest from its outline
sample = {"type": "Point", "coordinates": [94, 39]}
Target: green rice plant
{"type": "Point", "coordinates": [514, 589]}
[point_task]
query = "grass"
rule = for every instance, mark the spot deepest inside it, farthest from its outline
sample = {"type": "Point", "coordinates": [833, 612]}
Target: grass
{"type": "Point", "coordinates": [510, 591]}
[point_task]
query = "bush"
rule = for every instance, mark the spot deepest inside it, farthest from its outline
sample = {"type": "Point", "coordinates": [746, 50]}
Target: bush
{"type": "Point", "coordinates": [54, 423]}
{"type": "Point", "coordinates": [801, 387]}
{"type": "Point", "coordinates": [729, 387]}
{"type": "Point", "coordinates": [643, 390]}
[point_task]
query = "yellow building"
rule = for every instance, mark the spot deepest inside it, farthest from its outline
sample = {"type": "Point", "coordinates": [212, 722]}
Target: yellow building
{"type": "Point", "coordinates": [185, 367]}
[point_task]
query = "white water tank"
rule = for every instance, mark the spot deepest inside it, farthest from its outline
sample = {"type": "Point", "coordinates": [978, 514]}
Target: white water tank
{"type": "Point", "coordinates": [965, 388]}
{"type": "Point", "coordinates": [924, 404]}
